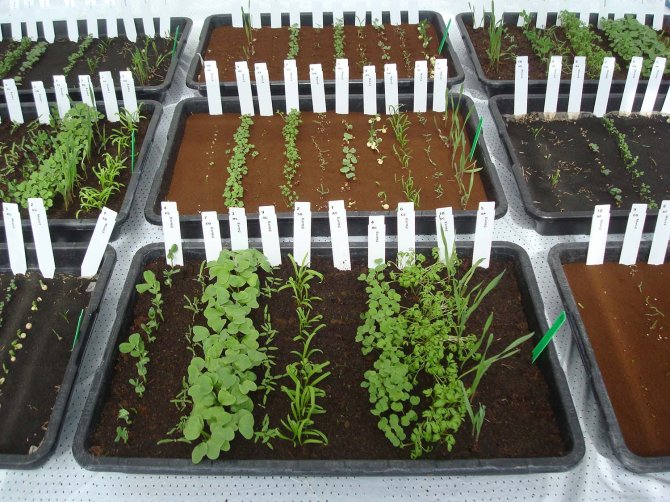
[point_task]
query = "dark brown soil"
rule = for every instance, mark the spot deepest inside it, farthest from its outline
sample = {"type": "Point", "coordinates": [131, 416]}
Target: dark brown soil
{"type": "Point", "coordinates": [33, 380]}
{"type": "Point", "coordinates": [567, 147]}
{"type": "Point", "coordinates": [199, 176]}
{"type": "Point", "coordinates": [520, 419]}
{"type": "Point", "coordinates": [226, 46]}
{"type": "Point", "coordinates": [625, 312]}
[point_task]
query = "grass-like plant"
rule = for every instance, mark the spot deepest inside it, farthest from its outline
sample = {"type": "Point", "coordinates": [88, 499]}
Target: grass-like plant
{"type": "Point", "coordinates": [249, 49]}
{"type": "Point", "coordinates": [400, 124]}
{"type": "Point", "coordinates": [146, 60]}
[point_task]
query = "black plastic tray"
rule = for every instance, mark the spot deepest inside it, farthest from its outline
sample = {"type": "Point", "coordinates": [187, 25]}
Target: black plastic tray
{"type": "Point", "coordinates": [576, 252]}
{"type": "Point", "coordinates": [357, 221]}
{"type": "Point", "coordinates": [155, 92]}
{"type": "Point", "coordinates": [548, 363]}
{"type": "Point", "coordinates": [68, 259]}
{"type": "Point", "coordinates": [70, 229]}
{"type": "Point", "coordinates": [566, 222]}
{"type": "Point", "coordinates": [494, 86]}
{"type": "Point", "coordinates": [355, 85]}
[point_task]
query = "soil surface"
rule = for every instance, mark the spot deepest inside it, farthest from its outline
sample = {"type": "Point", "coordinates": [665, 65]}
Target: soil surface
{"type": "Point", "coordinates": [33, 380]}
{"type": "Point", "coordinates": [197, 180]}
{"type": "Point", "coordinates": [520, 407]}
{"type": "Point", "coordinates": [563, 160]}
{"type": "Point", "coordinates": [625, 312]}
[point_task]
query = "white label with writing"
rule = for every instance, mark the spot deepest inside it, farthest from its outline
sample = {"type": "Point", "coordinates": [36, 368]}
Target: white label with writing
{"type": "Point", "coordinates": [86, 90]}
{"type": "Point", "coordinates": [598, 237]}
{"type": "Point", "coordinates": [659, 244]}
{"type": "Point", "coordinates": [420, 86]}
{"type": "Point", "coordinates": [212, 235]}
{"type": "Point", "coordinates": [131, 31]}
{"type": "Point", "coordinates": [631, 239]}
{"type": "Point", "coordinates": [62, 96]}
{"type": "Point", "coordinates": [172, 232]}
{"type": "Point", "coordinates": [96, 247]}
{"type": "Point", "coordinates": [484, 233]}
{"type": "Point", "coordinates": [302, 233]}
{"type": "Point", "coordinates": [604, 84]}
{"type": "Point", "coordinates": [213, 89]}
{"type": "Point", "coordinates": [291, 85]}
{"type": "Point", "coordinates": [109, 96]}
{"type": "Point", "coordinates": [369, 90]}
{"type": "Point", "coordinates": [396, 19]}
{"type": "Point", "coordinates": [263, 89]}
{"type": "Point", "coordinates": [236, 14]}
{"type": "Point", "coordinates": [13, 103]}
{"type": "Point", "coordinates": [339, 234]}
{"type": "Point", "coordinates": [128, 93]}
{"type": "Point", "coordinates": [553, 84]}
{"type": "Point", "coordinates": [652, 87]}
{"type": "Point", "coordinates": [412, 12]}
{"type": "Point", "coordinates": [275, 15]}
{"type": "Point", "coordinates": [521, 86]}
{"type": "Point", "coordinates": [406, 234]}
{"type": "Point", "coordinates": [376, 241]}
{"type": "Point", "coordinates": [244, 88]}
{"type": "Point", "coordinates": [342, 86]}
{"type": "Point", "coordinates": [270, 234]}
{"type": "Point", "coordinates": [41, 103]}
{"type": "Point", "coordinates": [440, 85]}
{"type": "Point", "coordinates": [42, 237]}
{"type": "Point", "coordinates": [541, 21]}
{"type": "Point", "coordinates": [317, 87]}
{"type": "Point", "coordinates": [391, 88]}
{"type": "Point", "coordinates": [446, 232]}
{"type": "Point", "coordinates": [239, 234]}
{"type": "Point", "coordinates": [631, 85]}
{"type": "Point", "coordinates": [576, 86]}
{"type": "Point", "coordinates": [14, 236]}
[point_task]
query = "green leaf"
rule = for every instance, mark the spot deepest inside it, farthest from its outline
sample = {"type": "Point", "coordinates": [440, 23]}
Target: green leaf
{"type": "Point", "coordinates": [246, 425]}
{"type": "Point", "coordinates": [193, 428]}
{"type": "Point", "coordinates": [200, 333]}
{"type": "Point", "coordinates": [198, 453]}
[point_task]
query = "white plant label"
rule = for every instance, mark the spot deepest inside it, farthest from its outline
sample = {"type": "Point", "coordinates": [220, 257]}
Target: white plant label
{"type": "Point", "coordinates": [360, 17]}
{"type": "Point", "coordinates": [521, 86]}
{"type": "Point", "coordinates": [412, 12]}
{"type": "Point", "coordinates": [338, 14]}
{"type": "Point", "coordinates": [211, 233]}
{"type": "Point", "coordinates": [440, 85]}
{"type": "Point", "coordinates": [553, 84]}
{"type": "Point", "coordinates": [598, 237]}
{"type": "Point", "coordinates": [13, 103]}
{"type": "Point", "coordinates": [15, 22]}
{"type": "Point", "coordinates": [275, 15]}
{"type": "Point", "coordinates": [631, 239]}
{"type": "Point", "coordinates": [477, 20]}
{"type": "Point", "coordinates": [239, 234]}
{"type": "Point", "coordinates": [172, 232]}
{"type": "Point", "coordinates": [62, 95]}
{"type": "Point", "coordinates": [444, 226]}
{"type": "Point", "coordinates": [339, 234]}
{"type": "Point", "coordinates": [270, 234]}
{"type": "Point", "coordinates": [41, 103]}
{"type": "Point", "coordinates": [520, 22]}
{"type": "Point", "coordinates": [652, 87]}
{"type": "Point", "coordinates": [317, 14]}
{"type": "Point", "coordinates": [92, 26]}
{"type": "Point", "coordinates": [302, 233]}
{"type": "Point", "coordinates": [31, 30]}
{"type": "Point", "coordinates": [263, 89]}
{"type": "Point", "coordinates": [255, 15]}
{"type": "Point", "coordinates": [666, 105]}
{"type": "Point", "coordinates": [163, 25]}
{"type": "Point", "coordinates": [131, 31]}
{"type": "Point", "coordinates": [294, 15]}
{"type": "Point", "coordinates": [484, 233]}
{"type": "Point", "coordinates": [236, 14]}
{"type": "Point", "coordinates": [376, 15]}
{"type": "Point", "coordinates": [96, 247]}
{"type": "Point", "coordinates": [213, 89]}
{"type": "Point", "coordinates": [317, 88]}
{"type": "Point", "coordinates": [369, 90]}
{"type": "Point", "coordinates": [72, 29]}
{"type": "Point", "coordinates": [541, 20]}
{"type": "Point", "coordinates": [406, 234]}
{"type": "Point", "coordinates": [86, 90]}
{"type": "Point", "coordinates": [604, 84]}
{"type": "Point", "coordinates": [391, 88]}
{"type": "Point", "coordinates": [576, 86]}
{"type": "Point", "coordinates": [659, 244]}
{"type": "Point", "coordinates": [128, 93]}
{"type": "Point", "coordinates": [42, 237]}
{"type": "Point", "coordinates": [48, 28]}
{"type": "Point", "coordinates": [342, 86]}
{"type": "Point", "coordinates": [244, 88]}
{"type": "Point", "coordinates": [396, 19]}
{"type": "Point", "coordinates": [631, 85]}
{"type": "Point", "coordinates": [112, 27]}
{"type": "Point", "coordinates": [376, 241]}
{"type": "Point", "coordinates": [420, 86]}
{"type": "Point", "coordinates": [109, 96]}
{"type": "Point", "coordinates": [291, 85]}
{"type": "Point", "coordinates": [14, 236]}
{"type": "Point", "coordinates": [148, 24]}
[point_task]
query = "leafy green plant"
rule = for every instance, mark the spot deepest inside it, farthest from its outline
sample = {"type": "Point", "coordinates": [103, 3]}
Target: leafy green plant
{"type": "Point", "coordinates": [293, 42]}
{"type": "Point", "coordinates": [382, 42]}
{"type": "Point", "coordinates": [13, 56]}
{"type": "Point", "coordinates": [135, 347]}
{"type": "Point", "coordinates": [31, 57]}
{"type": "Point", "coordinates": [106, 172]}
{"type": "Point", "coordinates": [544, 42]}
{"type": "Point", "coordinates": [77, 55]}
{"type": "Point", "coordinates": [339, 39]}
{"type": "Point", "coordinates": [233, 193]}
{"type": "Point", "coordinates": [290, 130]}
{"type": "Point", "coordinates": [584, 42]}
{"type": "Point", "coordinates": [9, 294]}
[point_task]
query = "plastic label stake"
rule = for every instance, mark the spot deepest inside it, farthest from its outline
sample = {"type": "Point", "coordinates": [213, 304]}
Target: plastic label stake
{"type": "Point", "coordinates": [41, 103]}
{"type": "Point", "coordinates": [92, 26]}
{"type": "Point", "coordinates": [212, 235]}
{"type": "Point", "coordinates": [96, 247]}
{"type": "Point", "coordinates": [255, 16]}
{"type": "Point", "coordinates": [391, 88]}
{"type": "Point", "coordinates": [576, 86]}
{"type": "Point", "coordinates": [484, 233]}
{"type": "Point", "coordinates": [72, 28]}
{"type": "Point", "coordinates": [128, 94]}
{"type": "Point", "coordinates": [440, 85]}
{"type": "Point", "coordinates": [342, 86]}
{"type": "Point", "coordinates": [86, 90]}
{"type": "Point", "coordinates": [112, 27]}
{"type": "Point", "coordinates": [317, 88]}
{"type": "Point", "coordinates": [291, 85]}
{"type": "Point", "coordinates": [294, 15]}
{"type": "Point", "coordinates": [275, 15]}
{"type": "Point", "coordinates": [302, 233]}
{"type": "Point", "coordinates": [13, 103]}
{"type": "Point", "coordinates": [48, 29]}
{"type": "Point", "coordinates": [598, 238]}
{"type": "Point", "coordinates": [631, 239]}
{"type": "Point", "coordinates": [542, 344]}
{"type": "Point", "coordinates": [172, 232]}
{"type": "Point", "coordinates": [62, 96]}
{"type": "Point", "coordinates": [541, 19]}
{"type": "Point", "coordinates": [317, 14]}
{"type": "Point", "coordinates": [412, 12]}
{"type": "Point", "coordinates": [553, 84]}
{"type": "Point", "coordinates": [339, 234]}
{"type": "Point", "coordinates": [376, 241]}
{"type": "Point", "coordinates": [239, 234]}
{"type": "Point", "coordinates": [666, 105]}
{"type": "Point", "coordinates": [109, 96]}
{"type": "Point", "coordinates": [244, 88]}
{"type": "Point", "coordinates": [406, 234]}
{"type": "Point", "coordinates": [129, 25]}
{"type": "Point", "coordinates": [236, 14]}
{"type": "Point", "coordinates": [148, 25]}
{"type": "Point", "coordinates": [521, 86]}
{"type": "Point", "coordinates": [338, 15]}
{"type": "Point", "coordinates": [420, 86]}
{"type": "Point", "coordinates": [652, 87]}
{"type": "Point", "coordinates": [14, 236]}
{"type": "Point", "coordinates": [659, 244]}
{"type": "Point", "coordinates": [360, 17]}
{"type": "Point", "coordinates": [213, 89]}
{"type": "Point", "coordinates": [369, 90]}
{"type": "Point", "coordinates": [445, 231]}
{"type": "Point", "coordinates": [270, 234]}
{"type": "Point", "coordinates": [631, 85]}
{"type": "Point", "coordinates": [15, 22]}
{"type": "Point", "coordinates": [604, 84]}
{"type": "Point", "coordinates": [395, 13]}
{"type": "Point", "coordinates": [376, 15]}
{"type": "Point", "coordinates": [42, 237]}
{"type": "Point", "coordinates": [263, 90]}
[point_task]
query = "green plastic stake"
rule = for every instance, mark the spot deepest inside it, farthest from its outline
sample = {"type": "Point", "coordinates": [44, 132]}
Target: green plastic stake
{"type": "Point", "coordinates": [539, 348]}
{"type": "Point", "coordinates": [174, 44]}
{"type": "Point", "coordinates": [76, 334]}
{"type": "Point", "coordinates": [474, 143]}
{"type": "Point", "coordinates": [444, 37]}
{"type": "Point", "coordinates": [132, 153]}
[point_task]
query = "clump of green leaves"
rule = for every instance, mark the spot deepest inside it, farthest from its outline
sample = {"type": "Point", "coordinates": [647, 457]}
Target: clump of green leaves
{"type": "Point", "coordinates": [383, 41]}
{"type": "Point", "coordinates": [13, 56]}
{"type": "Point", "coordinates": [9, 294]}
{"type": "Point", "coordinates": [32, 57]}
{"type": "Point", "coordinates": [349, 159]}
{"type": "Point", "coordinates": [237, 165]}
{"type": "Point", "coordinates": [290, 130]}
{"type": "Point", "coordinates": [584, 42]}
{"type": "Point", "coordinates": [544, 42]}
{"type": "Point", "coordinates": [293, 42]}
{"type": "Point", "coordinates": [339, 39]}
{"type": "Point", "coordinates": [77, 55]}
